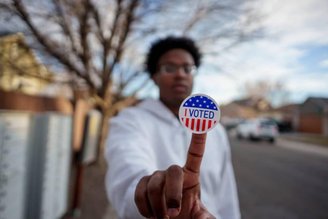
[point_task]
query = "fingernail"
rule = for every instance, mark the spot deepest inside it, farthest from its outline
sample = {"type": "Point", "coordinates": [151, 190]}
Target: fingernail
{"type": "Point", "coordinates": [172, 212]}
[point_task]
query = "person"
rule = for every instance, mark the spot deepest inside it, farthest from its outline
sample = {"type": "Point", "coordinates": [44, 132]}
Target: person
{"type": "Point", "coordinates": [156, 167]}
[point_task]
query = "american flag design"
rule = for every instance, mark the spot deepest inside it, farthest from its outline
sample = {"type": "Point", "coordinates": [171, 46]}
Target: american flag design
{"type": "Point", "coordinates": [199, 113]}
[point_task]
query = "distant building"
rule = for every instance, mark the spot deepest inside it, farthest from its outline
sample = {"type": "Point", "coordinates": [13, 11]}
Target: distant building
{"type": "Point", "coordinates": [286, 116]}
{"type": "Point", "coordinates": [20, 70]}
{"type": "Point", "coordinates": [313, 116]}
{"type": "Point", "coordinates": [308, 117]}
{"type": "Point", "coordinates": [252, 107]}
{"type": "Point", "coordinates": [258, 104]}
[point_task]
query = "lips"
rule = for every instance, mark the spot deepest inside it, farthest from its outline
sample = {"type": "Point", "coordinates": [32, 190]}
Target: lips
{"type": "Point", "coordinates": [180, 88]}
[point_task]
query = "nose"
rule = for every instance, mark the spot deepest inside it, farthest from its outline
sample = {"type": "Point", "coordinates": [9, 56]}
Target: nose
{"type": "Point", "coordinates": [180, 72]}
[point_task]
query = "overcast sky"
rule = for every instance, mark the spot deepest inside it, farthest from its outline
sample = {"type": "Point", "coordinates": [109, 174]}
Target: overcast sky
{"type": "Point", "coordinates": [294, 51]}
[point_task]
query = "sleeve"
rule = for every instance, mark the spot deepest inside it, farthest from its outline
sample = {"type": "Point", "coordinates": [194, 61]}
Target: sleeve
{"type": "Point", "coordinates": [129, 157]}
{"type": "Point", "coordinates": [227, 194]}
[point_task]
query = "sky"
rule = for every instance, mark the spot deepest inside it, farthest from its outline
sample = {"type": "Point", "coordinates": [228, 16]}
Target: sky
{"type": "Point", "coordinates": [294, 52]}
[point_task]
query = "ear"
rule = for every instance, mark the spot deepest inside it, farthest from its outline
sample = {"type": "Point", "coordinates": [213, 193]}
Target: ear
{"type": "Point", "coordinates": [155, 78]}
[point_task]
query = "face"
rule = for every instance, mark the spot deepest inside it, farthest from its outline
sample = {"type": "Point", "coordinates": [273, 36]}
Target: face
{"type": "Point", "coordinates": [173, 82]}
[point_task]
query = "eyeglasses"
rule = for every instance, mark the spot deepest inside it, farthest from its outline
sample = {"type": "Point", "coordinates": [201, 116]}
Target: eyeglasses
{"type": "Point", "coordinates": [172, 69]}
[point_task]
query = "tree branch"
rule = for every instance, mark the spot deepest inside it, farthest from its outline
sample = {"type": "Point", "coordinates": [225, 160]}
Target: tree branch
{"type": "Point", "coordinates": [50, 46]}
{"type": "Point", "coordinates": [66, 26]}
{"type": "Point", "coordinates": [119, 49]}
{"type": "Point", "coordinates": [108, 42]}
{"type": "Point", "coordinates": [84, 30]}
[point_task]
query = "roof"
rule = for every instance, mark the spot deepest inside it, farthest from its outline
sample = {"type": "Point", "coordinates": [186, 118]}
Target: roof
{"type": "Point", "coordinates": [235, 110]}
{"type": "Point", "coordinates": [257, 103]}
{"type": "Point", "coordinates": [320, 101]}
{"type": "Point", "coordinates": [289, 108]}
{"type": "Point", "coordinates": [314, 105]}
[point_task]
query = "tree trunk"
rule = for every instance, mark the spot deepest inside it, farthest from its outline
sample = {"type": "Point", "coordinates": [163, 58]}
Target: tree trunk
{"type": "Point", "coordinates": [103, 133]}
{"type": "Point", "coordinates": [107, 113]}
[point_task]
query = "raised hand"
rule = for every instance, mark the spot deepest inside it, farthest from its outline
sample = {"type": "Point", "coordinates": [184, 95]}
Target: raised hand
{"type": "Point", "coordinates": [175, 192]}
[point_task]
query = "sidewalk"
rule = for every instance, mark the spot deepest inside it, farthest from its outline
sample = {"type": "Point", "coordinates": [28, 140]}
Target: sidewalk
{"type": "Point", "coordinates": [94, 203]}
{"type": "Point", "coordinates": [313, 139]}
{"type": "Point", "coordinates": [94, 200]}
{"type": "Point", "coordinates": [294, 143]}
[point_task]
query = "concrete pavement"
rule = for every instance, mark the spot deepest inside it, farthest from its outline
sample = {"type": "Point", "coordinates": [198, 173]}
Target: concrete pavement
{"type": "Point", "coordinates": [304, 147]}
{"type": "Point", "coordinates": [278, 182]}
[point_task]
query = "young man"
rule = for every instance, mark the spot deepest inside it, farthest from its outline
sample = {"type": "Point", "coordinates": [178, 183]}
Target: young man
{"type": "Point", "coordinates": [156, 168]}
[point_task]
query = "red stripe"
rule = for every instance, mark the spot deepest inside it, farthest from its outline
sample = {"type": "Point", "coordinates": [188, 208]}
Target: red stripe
{"type": "Point", "coordinates": [198, 125]}
{"type": "Point", "coordinates": [209, 124]}
{"type": "Point", "coordinates": [185, 112]}
{"type": "Point", "coordinates": [204, 123]}
{"type": "Point", "coordinates": [192, 124]}
{"type": "Point", "coordinates": [182, 119]}
{"type": "Point", "coordinates": [187, 122]}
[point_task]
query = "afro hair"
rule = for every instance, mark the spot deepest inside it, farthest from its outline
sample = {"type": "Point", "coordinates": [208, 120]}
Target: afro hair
{"type": "Point", "coordinates": [162, 46]}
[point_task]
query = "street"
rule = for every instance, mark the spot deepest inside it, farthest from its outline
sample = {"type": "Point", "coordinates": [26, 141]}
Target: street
{"type": "Point", "coordinates": [275, 182]}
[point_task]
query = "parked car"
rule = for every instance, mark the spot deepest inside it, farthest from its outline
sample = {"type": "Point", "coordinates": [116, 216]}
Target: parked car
{"type": "Point", "coordinates": [258, 129]}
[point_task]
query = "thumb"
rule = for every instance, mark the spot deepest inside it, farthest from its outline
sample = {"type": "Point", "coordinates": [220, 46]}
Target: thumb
{"type": "Point", "coordinates": [199, 211]}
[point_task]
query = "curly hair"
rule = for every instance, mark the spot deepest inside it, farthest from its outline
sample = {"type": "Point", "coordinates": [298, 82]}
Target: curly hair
{"type": "Point", "coordinates": [162, 46]}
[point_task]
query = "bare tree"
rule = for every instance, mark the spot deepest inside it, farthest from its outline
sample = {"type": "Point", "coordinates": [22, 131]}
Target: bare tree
{"type": "Point", "coordinates": [100, 43]}
{"type": "Point", "coordinates": [273, 91]}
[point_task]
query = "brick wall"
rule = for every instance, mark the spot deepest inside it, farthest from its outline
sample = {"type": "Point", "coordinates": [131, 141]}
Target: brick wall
{"type": "Point", "coordinates": [311, 123]}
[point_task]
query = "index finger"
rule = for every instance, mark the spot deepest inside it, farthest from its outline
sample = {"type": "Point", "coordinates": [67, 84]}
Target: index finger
{"type": "Point", "coordinates": [195, 153]}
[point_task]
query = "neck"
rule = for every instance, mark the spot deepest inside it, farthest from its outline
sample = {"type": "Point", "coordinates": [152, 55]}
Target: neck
{"type": "Point", "coordinates": [173, 107]}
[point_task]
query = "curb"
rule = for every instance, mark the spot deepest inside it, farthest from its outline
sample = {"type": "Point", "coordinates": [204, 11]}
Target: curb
{"type": "Point", "coordinates": [304, 147]}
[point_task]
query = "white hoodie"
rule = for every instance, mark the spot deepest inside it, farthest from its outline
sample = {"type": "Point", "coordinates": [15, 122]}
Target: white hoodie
{"type": "Point", "coordinates": [149, 137]}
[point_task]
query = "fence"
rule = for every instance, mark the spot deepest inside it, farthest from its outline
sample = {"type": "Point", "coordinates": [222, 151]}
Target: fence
{"type": "Point", "coordinates": [38, 136]}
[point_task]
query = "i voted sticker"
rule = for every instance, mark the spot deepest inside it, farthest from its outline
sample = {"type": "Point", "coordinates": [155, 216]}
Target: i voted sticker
{"type": "Point", "coordinates": [199, 113]}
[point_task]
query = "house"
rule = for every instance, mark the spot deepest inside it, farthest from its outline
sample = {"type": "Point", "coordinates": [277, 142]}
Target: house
{"type": "Point", "coordinates": [258, 104]}
{"type": "Point", "coordinates": [313, 116]}
{"type": "Point", "coordinates": [252, 107]}
{"type": "Point", "coordinates": [20, 71]}
{"type": "Point", "coordinates": [286, 116]}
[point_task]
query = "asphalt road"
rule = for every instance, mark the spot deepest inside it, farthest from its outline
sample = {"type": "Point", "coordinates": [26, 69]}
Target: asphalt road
{"type": "Point", "coordinates": [279, 183]}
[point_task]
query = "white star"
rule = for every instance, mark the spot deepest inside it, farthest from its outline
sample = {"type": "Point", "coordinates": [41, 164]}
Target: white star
{"type": "Point", "coordinates": [201, 97]}
{"type": "Point", "coordinates": [193, 104]}
{"type": "Point", "coordinates": [204, 101]}
{"type": "Point", "coordinates": [207, 106]}
{"type": "Point", "coordinates": [200, 105]}
{"type": "Point", "coordinates": [197, 101]}
{"type": "Point", "coordinates": [212, 103]}
{"type": "Point", "coordinates": [189, 99]}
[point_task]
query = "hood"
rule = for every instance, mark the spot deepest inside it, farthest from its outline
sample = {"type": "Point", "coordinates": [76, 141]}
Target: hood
{"type": "Point", "coordinates": [158, 109]}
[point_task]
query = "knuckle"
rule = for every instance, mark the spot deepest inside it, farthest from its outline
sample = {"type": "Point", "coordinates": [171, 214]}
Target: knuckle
{"type": "Point", "coordinates": [157, 173]}
{"type": "Point", "coordinates": [174, 170]}
{"type": "Point", "coordinates": [143, 180]}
